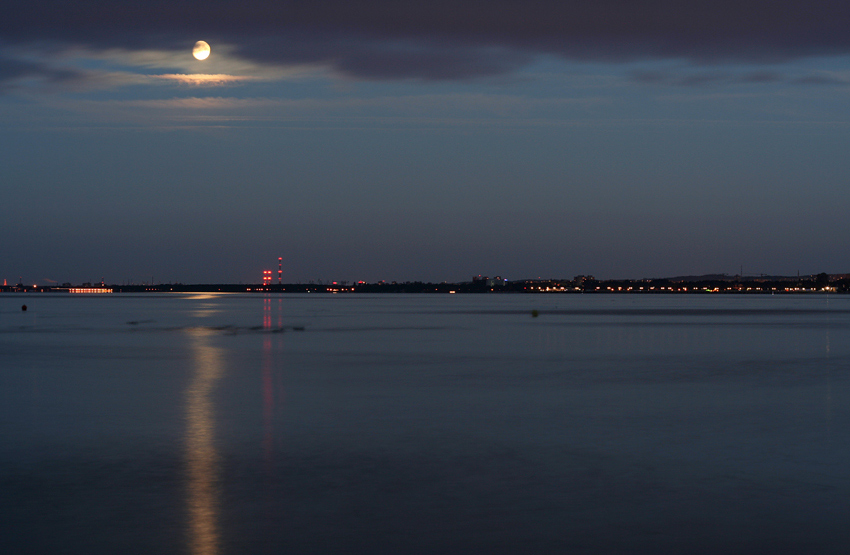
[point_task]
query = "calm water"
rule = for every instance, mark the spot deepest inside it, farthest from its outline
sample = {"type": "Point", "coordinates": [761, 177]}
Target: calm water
{"type": "Point", "coordinates": [214, 424]}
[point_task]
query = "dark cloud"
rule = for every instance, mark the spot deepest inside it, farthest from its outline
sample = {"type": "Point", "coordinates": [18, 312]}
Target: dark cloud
{"type": "Point", "coordinates": [447, 40]}
{"type": "Point", "coordinates": [820, 80]}
{"type": "Point", "coordinates": [13, 71]}
{"type": "Point", "coordinates": [650, 77]}
{"type": "Point", "coordinates": [691, 77]}
{"type": "Point", "coordinates": [430, 62]}
{"type": "Point", "coordinates": [702, 79]}
{"type": "Point", "coordinates": [762, 77]}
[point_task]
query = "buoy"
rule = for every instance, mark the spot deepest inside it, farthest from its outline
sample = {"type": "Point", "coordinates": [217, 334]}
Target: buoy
{"type": "Point", "coordinates": [534, 313]}
{"type": "Point", "coordinates": [24, 308]}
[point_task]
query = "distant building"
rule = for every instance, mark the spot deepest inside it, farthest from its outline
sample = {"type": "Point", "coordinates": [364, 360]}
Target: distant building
{"type": "Point", "coordinates": [488, 281]}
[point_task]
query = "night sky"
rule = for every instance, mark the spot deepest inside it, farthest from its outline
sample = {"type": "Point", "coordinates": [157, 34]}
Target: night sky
{"type": "Point", "coordinates": [396, 140]}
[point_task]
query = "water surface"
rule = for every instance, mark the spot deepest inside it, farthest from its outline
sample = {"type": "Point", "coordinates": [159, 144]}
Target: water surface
{"type": "Point", "coordinates": [214, 424]}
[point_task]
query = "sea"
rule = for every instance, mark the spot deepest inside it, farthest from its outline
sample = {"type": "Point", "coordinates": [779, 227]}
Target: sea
{"type": "Point", "coordinates": [207, 424]}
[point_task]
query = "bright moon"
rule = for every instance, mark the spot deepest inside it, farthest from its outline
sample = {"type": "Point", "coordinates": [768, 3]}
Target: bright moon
{"type": "Point", "coordinates": [201, 50]}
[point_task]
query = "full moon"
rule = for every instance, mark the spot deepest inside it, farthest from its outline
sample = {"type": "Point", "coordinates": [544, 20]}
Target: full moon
{"type": "Point", "coordinates": [201, 50]}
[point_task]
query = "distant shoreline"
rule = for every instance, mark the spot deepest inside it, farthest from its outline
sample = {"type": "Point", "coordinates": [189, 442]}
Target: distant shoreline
{"type": "Point", "coordinates": [820, 283]}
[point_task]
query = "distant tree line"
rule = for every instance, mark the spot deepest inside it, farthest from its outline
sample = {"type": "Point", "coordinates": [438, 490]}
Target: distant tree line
{"type": "Point", "coordinates": [580, 284]}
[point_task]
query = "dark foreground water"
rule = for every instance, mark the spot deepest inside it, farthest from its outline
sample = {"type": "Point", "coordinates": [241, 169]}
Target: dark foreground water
{"type": "Point", "coordinates": [214, 424]}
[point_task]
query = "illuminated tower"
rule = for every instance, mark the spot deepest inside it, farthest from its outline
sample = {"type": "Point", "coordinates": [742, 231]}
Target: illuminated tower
{"type": "Point", "coordinates": [267, 277]}
{"type": "Point", "coordinates": [279, 270]}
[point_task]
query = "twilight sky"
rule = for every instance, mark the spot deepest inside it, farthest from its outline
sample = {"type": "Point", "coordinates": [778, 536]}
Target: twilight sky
{"type": "Point", "coordinates": [398, 140]}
